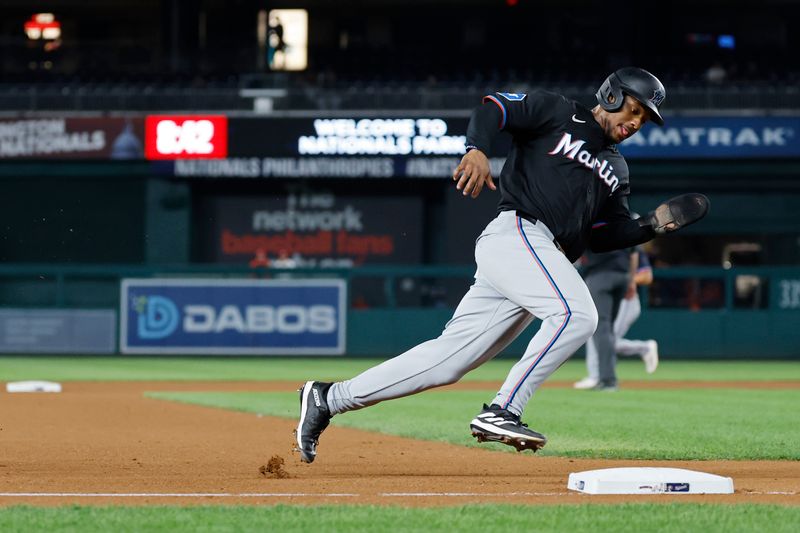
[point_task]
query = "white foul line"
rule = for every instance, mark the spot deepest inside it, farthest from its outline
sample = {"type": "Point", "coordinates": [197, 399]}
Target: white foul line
{"type": "Point", "coordinates": [457, 494]}
{"type": "Point", "coordinates": [305, 494]}
{"type": "Point", "coordinates": [174, 495]}
{"type": "Point", "coordinates": [267, 494]}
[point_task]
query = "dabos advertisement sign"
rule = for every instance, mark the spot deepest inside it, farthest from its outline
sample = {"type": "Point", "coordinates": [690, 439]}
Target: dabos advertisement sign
{"type": "Point", "coordinates": [233, 317]}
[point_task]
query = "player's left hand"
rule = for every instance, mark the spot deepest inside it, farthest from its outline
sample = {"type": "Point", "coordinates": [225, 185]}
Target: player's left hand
{"type": "Point", "coordinates": [473, 173]}
{"type": "Point", "coordinates": [677, 213]}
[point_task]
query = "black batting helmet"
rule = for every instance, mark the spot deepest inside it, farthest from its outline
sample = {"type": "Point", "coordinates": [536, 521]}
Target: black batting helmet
{"type": "Point", "coordinates": [635, 82]}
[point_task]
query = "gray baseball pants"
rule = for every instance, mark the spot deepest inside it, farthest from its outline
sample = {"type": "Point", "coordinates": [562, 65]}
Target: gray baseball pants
{"type": "Point", "coordinates": [629, 311]}
{"type": "Point", "coordinates": [608, 290]}
{"type": "Point", "coordinates": [521, 275]}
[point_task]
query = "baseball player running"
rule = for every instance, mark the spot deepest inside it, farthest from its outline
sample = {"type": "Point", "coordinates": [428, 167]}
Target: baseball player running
{"type": "Point", "coordinates": [563, 174]}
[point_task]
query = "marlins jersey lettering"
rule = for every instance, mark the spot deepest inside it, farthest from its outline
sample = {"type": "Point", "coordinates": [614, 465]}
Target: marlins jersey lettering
{"type": "Point", "coordinates": [561, 168]}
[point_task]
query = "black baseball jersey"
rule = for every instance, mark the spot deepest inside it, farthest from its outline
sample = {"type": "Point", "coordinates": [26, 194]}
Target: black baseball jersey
{"type": "Point", "coordinates": [561, 168]}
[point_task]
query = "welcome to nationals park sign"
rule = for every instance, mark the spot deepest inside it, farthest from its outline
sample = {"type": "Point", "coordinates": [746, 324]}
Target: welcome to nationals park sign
{"type": "Point", "coordinates": [386, 147]}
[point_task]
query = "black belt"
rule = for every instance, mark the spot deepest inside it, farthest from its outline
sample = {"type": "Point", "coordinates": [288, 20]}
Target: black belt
{"type": "Point", "coordinates": [527, 216]}
{"type": "Point", "coordinates": [533, 220]}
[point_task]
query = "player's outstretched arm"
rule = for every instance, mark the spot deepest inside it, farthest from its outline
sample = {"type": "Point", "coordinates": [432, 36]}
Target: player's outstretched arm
{"type": "Point", "coordinates": [677, 213]}
{"type": "Point", "coordinates": [473, 173]}
{"type": "Point", "coordinates": [668, 217]}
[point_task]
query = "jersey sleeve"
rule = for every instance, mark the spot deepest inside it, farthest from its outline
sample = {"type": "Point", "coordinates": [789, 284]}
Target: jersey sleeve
{"type": "Point", "coordinates": [521, 111]}
{"type": "Point", "coordinates": [615, 209]}
{"type": "Point", "coordinates": [614, 228]}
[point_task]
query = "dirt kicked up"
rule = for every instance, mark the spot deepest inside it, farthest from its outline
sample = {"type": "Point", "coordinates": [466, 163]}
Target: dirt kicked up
{"type": "Point", "coordinates": [105, 443]}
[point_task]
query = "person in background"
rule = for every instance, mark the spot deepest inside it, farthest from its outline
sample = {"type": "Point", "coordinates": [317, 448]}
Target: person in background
{"type": "Point", "coordinates": [630, 309]}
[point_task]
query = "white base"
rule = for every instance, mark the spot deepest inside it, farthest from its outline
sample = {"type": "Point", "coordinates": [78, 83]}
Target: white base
{"type": "Point", "coordinates": [33, 386]}
{"type": "Point", "coordinates": [648, 481]}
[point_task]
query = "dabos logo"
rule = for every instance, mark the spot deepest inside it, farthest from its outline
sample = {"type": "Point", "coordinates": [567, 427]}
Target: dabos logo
{"type": "Point", "coordinates": [186, 137]}
{"type": "Point", "coordinates": [290, 319]}
{"type": "Point", "coordinates": [233, 316]}
{"type": "Point", "coordinates": [158, 316]}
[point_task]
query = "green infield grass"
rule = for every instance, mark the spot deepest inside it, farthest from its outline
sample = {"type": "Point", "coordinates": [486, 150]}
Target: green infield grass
{"type": "Point", "coordinates": [587, 517]}
{"type": "Point", "coordinates": [628, 424]}
{"type": "Point", "coordinates": [336, 368]}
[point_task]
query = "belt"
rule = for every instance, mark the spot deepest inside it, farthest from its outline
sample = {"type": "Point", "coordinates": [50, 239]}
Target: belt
{"type": "Point", "coordinates": [533, 220]}
{"type": "Point", "coordinates": [527, 216]}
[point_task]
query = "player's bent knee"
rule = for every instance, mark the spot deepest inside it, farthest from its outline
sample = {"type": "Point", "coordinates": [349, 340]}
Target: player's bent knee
{"type": "Point", "coordinates": [584, 321]}
{"type": "Point", "coordinates": [450, 376]}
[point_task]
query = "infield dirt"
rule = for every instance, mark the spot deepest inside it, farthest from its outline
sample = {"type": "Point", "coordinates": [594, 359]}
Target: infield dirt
{"type": "Point", "coordinates": [98, 439]}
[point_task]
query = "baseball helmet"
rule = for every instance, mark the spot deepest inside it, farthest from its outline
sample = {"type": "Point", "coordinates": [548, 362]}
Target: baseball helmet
{"type": "Point", "coordinates": [635, 82]}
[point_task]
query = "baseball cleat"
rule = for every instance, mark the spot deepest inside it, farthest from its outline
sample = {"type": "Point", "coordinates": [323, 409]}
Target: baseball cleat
{"type": "Point", "coordinates": [496, 424]}
{"type": "Point", "coordinates": [314, 418]}
{"type": "Point", "coordinates": [585, 383]}
{"type": "Point", "coordinates": [650, 357]}
{"type": "Point", "coordinates": [606, 386]}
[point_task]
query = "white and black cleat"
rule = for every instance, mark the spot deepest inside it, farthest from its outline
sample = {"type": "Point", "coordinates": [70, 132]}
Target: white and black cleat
{"type": "Point", "coordinates": [314, 418]}
{"type": "Point", "coordinates": [495, 424]}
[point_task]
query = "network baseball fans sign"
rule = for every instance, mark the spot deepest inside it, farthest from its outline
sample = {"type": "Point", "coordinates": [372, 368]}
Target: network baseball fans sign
{"type": "Point", "coordinates": [317, 229]}
{"type": "Point", "coordinates": [232, 317]}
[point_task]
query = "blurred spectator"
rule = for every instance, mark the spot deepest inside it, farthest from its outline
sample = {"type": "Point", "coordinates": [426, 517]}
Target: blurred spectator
{"type": "Point", "coordinates": [260, 259]}
{"type": "Point", "coordinates": [277, 45]}
{"type": "Point", "coordinates": [284, 260]}
{"type": "Point", "coordinates": [716, 73]}
{"type": "Point", "coordinates": [359, 302]}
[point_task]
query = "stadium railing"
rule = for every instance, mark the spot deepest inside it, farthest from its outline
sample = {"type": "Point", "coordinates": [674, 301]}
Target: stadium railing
{"type": "Point", "coordinates": [692, 288]}
{"type": "Point", "coordinates": [18, 98]}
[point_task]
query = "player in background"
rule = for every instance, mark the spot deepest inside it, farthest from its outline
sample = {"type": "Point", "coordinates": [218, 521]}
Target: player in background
{"type": "Point", "coordinates": [630, 309]}
{"type": "Point", "coordinates": [629, 312]}
{"type": "Point", "coordinates": [563, 174]}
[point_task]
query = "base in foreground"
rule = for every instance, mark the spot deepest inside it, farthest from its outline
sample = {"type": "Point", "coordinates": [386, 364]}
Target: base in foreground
{"type": "Point", "coordinates": [648, 480]}
{"type": "Point", "coordinates": [33, 386]}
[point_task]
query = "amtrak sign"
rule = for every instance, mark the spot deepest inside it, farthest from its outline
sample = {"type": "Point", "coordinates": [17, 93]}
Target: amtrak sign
{"type": "Point", "coordinates": [717, 137]}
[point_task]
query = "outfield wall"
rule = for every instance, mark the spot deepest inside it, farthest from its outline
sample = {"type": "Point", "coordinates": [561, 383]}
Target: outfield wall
{"type": "Point", "coordinates": [726, 322]}
{"type": "Point", "coordinates": [680, 334]}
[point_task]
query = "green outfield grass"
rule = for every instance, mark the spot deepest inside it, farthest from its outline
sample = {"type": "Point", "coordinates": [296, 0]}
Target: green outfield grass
{"type": "Point", "coordinates": [588, 517]}
{"type": "Point", "coordinates": [628, 424]}
{"type": "Point", "coordinates": [336, 368]}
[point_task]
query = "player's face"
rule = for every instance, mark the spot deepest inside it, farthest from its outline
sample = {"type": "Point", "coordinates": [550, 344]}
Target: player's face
{"type": "Point", "coordinates": [627, 120]}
